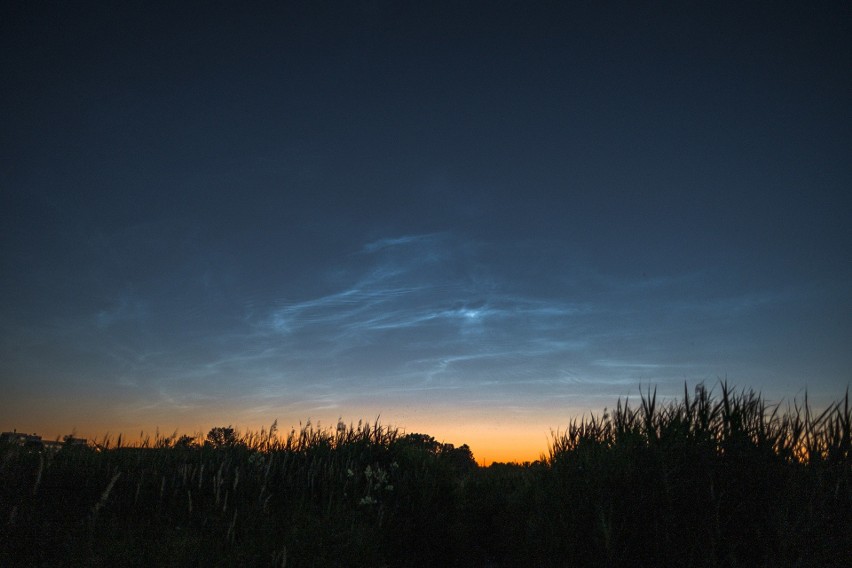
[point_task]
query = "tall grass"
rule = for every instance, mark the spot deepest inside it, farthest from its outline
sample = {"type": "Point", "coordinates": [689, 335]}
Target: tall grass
{"type": "Point", "coordinates": [710, 480]}
{"type": "Point", "coordinates": [724, 481]}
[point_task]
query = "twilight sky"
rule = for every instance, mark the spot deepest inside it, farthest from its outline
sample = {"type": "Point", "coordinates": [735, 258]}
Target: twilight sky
{"type": "Point", "coordinates": [478, 220]}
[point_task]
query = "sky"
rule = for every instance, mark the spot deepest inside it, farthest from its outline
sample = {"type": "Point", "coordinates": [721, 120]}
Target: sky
{"type": "Point", "coordinates": [476, 220]}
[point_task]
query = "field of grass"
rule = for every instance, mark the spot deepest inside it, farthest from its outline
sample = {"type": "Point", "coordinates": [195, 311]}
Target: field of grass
{"type": "Point", "coordinates": [711, 480]}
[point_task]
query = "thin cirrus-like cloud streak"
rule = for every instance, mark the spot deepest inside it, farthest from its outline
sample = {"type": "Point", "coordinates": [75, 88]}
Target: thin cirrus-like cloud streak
{"type": "Point", "coordinates": [408, 315]}
{"type": "Point", "coordinates": [452, 327]}
{"type": "Point", "coordinates": [415, 312]}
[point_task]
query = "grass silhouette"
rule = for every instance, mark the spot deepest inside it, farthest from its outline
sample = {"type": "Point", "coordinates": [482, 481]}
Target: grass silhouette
{"type": "Point", "coordinates": [710, 480]}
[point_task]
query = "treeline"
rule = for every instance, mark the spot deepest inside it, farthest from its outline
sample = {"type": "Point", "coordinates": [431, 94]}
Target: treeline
{"type": "Point", "coordinates": [710, 480]}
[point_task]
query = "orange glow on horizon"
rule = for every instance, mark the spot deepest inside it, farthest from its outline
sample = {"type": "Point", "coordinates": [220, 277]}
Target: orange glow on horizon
{"type": "Point", "coordinates": [501, 445]}
{"type": "Point", "coordinates": [491, 436]}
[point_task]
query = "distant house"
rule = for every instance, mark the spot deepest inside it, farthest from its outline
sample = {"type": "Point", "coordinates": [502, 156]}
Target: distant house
{"type": "Point", "coordinates": [34, 441]}
{"type": "Point", "coordinates": [72, 441]}
{"type": "Point", "coordinates": [22, 439]}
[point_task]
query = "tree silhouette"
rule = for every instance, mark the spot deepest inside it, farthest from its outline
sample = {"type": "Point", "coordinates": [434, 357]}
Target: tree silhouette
{"type": "Point", "coordinates": [186, 442]}
{"type": "Point", "coordinates": [460, 459]}
{"type": "Point", "coordinates": [221, 437]}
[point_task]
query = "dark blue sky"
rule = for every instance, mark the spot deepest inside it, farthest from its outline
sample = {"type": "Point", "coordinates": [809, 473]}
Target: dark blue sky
{"type": "Point", "coordinates": [467, 217]}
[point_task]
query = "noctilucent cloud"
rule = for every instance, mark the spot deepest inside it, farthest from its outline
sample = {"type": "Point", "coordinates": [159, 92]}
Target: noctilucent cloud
{"type": "Point", "coordinates": [476, 220]}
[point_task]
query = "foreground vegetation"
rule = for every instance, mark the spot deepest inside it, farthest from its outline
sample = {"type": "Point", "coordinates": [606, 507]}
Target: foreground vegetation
{"type": "Point", "coordinates": [711, 480]}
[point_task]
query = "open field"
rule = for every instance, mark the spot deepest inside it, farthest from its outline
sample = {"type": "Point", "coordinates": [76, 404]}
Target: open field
{"type": "Point", "coordinates": [717, 479]}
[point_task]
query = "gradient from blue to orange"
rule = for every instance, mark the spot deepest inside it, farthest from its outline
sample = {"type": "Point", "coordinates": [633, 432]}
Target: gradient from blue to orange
{"type": "Point", "coordinates": [476, 220]}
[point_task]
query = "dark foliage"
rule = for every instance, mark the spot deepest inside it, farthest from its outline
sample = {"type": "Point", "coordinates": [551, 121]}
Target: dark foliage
{"type": "Point", "coordinates": [708, 482]}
